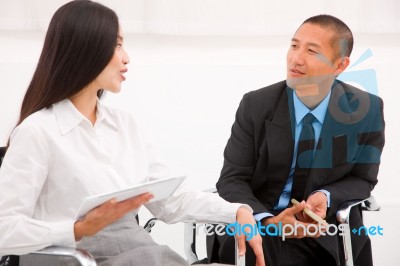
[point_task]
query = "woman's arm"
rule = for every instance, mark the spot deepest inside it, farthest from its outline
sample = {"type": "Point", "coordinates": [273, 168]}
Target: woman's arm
{"type": "Point", "coordinates": [23, 174]}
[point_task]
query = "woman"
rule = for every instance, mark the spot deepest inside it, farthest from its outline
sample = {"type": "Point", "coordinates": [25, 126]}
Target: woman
{"type": "Point", "coordinates": [68, 145]}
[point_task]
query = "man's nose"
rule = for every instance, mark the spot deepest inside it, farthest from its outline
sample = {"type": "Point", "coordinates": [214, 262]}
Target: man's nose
{"type": "Point", "coordinates": [297, 57]}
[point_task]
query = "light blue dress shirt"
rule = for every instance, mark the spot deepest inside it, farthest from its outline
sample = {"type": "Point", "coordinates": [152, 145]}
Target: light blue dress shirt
{"type": "Point", "coordinates": [300, 110]}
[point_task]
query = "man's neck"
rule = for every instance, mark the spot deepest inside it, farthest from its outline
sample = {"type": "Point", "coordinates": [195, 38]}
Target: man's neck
{"type": "Point", "coordinates": [313, 94]}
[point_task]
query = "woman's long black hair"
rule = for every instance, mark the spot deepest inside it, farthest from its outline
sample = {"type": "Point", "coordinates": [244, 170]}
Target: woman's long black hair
{"type": "Point", "coordinates": [79, 43]}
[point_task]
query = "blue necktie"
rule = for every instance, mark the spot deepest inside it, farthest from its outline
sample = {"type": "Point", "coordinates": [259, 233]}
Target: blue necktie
{"type": "Point", "coordinates": [305, 155]}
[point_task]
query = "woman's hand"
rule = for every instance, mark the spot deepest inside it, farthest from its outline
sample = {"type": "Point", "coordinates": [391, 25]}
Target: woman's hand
{"type": "Point", "coordinates": [106, 214]}
{"type": "Point", "coordinates": [244, 216]}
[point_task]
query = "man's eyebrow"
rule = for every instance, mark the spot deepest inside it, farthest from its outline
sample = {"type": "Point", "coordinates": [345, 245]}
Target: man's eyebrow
{"type": "Point", "coordinates": [308, 43]}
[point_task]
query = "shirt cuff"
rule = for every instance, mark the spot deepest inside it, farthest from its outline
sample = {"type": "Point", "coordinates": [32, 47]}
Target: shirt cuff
{"type": "Point", "coordinates": [259, 216]}
{"type": "Point", "coordinates": [230, 213]}
{"type": "Point", "coordinates": [62, 233]}
{"type": "Point", "coordinates": [327, 194]}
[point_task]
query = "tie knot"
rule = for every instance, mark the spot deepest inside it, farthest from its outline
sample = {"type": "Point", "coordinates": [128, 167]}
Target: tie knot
{"type": "Point", "coordinates": [308, 118]}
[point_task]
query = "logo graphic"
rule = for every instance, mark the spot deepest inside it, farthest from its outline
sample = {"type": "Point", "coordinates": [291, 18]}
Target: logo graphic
{"type": "Point", "coordinates": [359, 102]}
{"type": "Point", "coordinates": [284, 230]}
{"type": "Point", "coordinates": [352, 117]}
{"type": "Point", "coordinates": [368, 231]}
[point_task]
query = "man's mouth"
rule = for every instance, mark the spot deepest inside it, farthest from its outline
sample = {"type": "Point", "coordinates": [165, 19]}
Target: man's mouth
{"type": "Point", "coordinates": [296, 72]}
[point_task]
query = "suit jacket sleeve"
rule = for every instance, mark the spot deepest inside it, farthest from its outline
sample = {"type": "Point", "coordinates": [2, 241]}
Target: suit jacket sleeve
{"type": "Point", "coordinates": [234, 184]}
{"type": "Point", "coordinates": [361, 179]}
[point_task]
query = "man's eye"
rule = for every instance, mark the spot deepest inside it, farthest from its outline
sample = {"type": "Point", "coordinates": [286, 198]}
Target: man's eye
{"type": "Point", "coordinates": [311, 51]}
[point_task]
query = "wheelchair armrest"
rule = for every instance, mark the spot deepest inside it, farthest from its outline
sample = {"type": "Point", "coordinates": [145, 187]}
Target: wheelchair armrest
{"type": "Point", "coordinates": [211, 190]}
{"type": "Point", "coordinates": [190, 234]}
{"type": "Point", "coordinates": [150, 224]}
{"type": "Point", "coordinates": [343, 217]}
{"type": "Point", "coordinates": [190, 240]}
{"type": "Point", "coordinates": [343, 214]}
{"type": "Point", "coordinates": [84, 257]}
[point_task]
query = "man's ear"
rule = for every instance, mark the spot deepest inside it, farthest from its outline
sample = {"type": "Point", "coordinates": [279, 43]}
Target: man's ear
{"type": "Point", "coordinates": [341, 64]}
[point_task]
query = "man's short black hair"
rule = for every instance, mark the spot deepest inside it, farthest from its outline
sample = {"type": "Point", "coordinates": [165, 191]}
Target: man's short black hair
{"type": "Point", "coordinates": [343, 38]}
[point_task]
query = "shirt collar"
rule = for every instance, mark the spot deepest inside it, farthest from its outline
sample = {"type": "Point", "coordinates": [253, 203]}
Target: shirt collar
{"type": "Point", "coordinates": [105, 114]}
{"type": "Point", "coordinates": [300, 109]}
{"type": "Point", "coordinates": [68, 117]}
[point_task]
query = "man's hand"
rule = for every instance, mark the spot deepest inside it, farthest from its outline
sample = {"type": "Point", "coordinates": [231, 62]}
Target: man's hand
{"type": "Point", "coordinates": [244, 216]}
{"type": "Point", "coordinates": [106, 214]}
{"type": "Point", "coordinates": [316, 202]}
{"type": "Point", "coordinates": [289, 222]}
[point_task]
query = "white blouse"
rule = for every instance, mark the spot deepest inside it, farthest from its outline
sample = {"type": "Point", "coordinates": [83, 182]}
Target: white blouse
{"type": "Point", "coordinates": [57, 157]}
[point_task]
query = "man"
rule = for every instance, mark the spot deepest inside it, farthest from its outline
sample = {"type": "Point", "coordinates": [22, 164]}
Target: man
{"type": "Point", "coordinates": [311, 138]}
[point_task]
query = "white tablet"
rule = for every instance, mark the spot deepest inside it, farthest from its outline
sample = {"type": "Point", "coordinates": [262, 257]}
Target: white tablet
{"type": "Point", "coordinates": [160, 189]}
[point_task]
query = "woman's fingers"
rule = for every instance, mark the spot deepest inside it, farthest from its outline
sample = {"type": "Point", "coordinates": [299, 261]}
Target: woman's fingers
{"type": "Point", "coordinates": [107, 213]}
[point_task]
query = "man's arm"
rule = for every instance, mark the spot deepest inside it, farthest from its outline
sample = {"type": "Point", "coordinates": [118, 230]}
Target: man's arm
{"type": "Point", "coordinates": [240, 160]}
{"type": "Point", "coordinates": [362, 178]}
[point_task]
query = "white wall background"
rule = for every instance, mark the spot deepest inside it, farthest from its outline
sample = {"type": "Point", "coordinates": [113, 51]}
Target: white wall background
{"type": "Point", "coordinates": [191, 62]}
{"type": "Point", "coordinates": [215, 17]}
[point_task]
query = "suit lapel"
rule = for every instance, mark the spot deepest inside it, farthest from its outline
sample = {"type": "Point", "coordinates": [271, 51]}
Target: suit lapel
{"type": "Point", "coordinates": [280, 143]}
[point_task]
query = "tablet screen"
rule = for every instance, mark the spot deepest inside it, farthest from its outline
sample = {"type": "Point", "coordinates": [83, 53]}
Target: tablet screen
{"type": "Point", "coordinates": [160, 189]}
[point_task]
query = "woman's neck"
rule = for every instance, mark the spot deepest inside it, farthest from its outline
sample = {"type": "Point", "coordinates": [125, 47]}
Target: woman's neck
{"type": "Point", "coordinates": [86, 101]}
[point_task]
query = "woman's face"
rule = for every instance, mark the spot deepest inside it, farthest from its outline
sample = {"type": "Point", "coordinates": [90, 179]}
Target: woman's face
{"type": "Point", "coordinates": [111, 77]}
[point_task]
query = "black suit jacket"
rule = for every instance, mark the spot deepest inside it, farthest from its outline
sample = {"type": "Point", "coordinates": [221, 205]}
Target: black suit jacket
{"type": "Point", "coordinates": [258, 155]}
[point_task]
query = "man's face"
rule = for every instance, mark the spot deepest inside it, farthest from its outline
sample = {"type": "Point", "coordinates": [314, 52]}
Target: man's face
{"type": "Point", "coordinates": [311, 60]}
